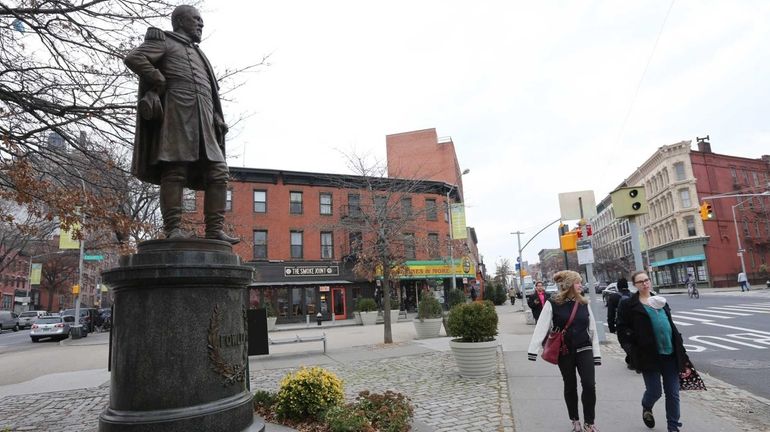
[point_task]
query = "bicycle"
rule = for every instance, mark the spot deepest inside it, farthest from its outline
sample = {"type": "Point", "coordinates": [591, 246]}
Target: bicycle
{"type": "Point", "coordinates": [692, 290]}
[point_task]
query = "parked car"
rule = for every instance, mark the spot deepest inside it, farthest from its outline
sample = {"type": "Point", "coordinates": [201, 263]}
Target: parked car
{"type": "Point", "coordinates": [599, 287]}
{"type": "Point", "coordinates": [26, 319]}
{"type": "Point", "coordinates": [87, 318]}
{"type": "Point", "coordinates": [54, 327]}
{"type": "Point", "coordinates": [551, 288]}
{"type": "Point", "coordinates": [9, 320]}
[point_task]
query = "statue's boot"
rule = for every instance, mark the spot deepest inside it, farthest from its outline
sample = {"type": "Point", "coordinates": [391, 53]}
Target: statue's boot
{"type": "Point", "coordinates": [214, 212]}
{"type": "Point", "coordinates": [171, 189]}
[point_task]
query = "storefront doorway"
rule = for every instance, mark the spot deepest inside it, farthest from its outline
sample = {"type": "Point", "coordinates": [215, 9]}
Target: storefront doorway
{"type": "Point", "coordinates": [339, 307]}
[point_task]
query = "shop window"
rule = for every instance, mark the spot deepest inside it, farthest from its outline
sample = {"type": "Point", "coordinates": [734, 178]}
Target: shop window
{"type": "Point", "coordinates": [295, 202]}
{"type": "Point", "coordinates": [188, 201]}
{"type": "Point", "coordinates": [327, 245]}
{"type": "Point", "coordinates": [282, 300]}
{"type": "Point", "coordinates": [296, 302]}
{"type": "Point", "coordinates": [701, 273]}
{"type": "Point", "coordinates": [260, 201]}
{"type": "Point", "coordinates": [430, 210]}
{"type": "Point", "coordinates": [310, 301]}
{"type": "Point", "coordinates": [325, 199]}
{"type": "Point", "coordinates": [260, 244]}
{"type": "Point", "coordinates": [296, 244]}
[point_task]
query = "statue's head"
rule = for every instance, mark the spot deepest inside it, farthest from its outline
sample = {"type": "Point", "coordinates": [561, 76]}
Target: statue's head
{"type": "Point", "coordinates": [187, 20]}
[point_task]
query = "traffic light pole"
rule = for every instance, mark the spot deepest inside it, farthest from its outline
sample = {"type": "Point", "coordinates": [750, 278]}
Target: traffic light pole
{"type": "Point", "coordinates": [738, 238]}
{"type": "Point", "coordinates": [635, 246]}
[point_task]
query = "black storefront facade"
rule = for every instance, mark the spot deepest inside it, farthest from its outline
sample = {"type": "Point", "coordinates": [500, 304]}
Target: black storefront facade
{"type": "Point", "coordinates": [299, 290]}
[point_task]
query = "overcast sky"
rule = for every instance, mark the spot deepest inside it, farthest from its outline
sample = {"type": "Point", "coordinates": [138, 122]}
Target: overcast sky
{"type": "Point", "coordinates": [538, 97]}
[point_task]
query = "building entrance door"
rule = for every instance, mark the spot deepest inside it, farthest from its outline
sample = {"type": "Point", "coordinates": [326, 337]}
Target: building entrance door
{"type": "Point", "coordinates": [338, 304]}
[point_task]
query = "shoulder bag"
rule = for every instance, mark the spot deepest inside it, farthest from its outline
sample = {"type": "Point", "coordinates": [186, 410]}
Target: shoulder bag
{"type": "Point", "coordinates": [691, 380]}
{"type": "Point", "coordinates": [553, 345]}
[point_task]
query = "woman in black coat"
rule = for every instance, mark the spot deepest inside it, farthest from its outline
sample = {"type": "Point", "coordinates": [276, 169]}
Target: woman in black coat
{"type": "Point", "coordinates": [655, 348]}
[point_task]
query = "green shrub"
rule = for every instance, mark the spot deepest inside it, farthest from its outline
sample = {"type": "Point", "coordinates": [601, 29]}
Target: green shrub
{"type": "Point", "coordinates": [269, 310]}
{"type": "Point", "coordinates": [264, 399]}
{"type": "Point", "coordinates": [366, 304]}
{"type": "Point", "coordinates": [429, 308]}
{"type": "Point", "coordinates": [388, 412]}
{"type": "Point", "coordinates": [307, 393]}
{"type": "Point", "coordinates": [347, 418]}
{"type": "Point", "coordinates": [473, 322]}
{"type": "Point", "coordinates": [500, 295]}
{"type": "Point", "coordinates": [454, 298]}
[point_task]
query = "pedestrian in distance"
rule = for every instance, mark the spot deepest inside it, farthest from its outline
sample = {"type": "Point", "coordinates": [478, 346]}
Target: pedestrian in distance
{"type": "Point", "coordinates": [647, 333]}
{"type": "Point", "coordinates": [582, 344]}
{"type": "Point", "coordinates": [512, 295]}
{"type": "Point", "coordinates": [474, 294]}
{"type": "Point", "coordinates": [537, 300]}
{"type": "Point", "coordinates": [614, 300]}
{"type": "Point", "coordinates": [743, 281]}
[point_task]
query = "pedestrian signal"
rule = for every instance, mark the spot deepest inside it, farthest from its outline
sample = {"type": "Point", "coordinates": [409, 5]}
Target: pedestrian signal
{"type": "Point", "coordinates": [629, 201]}
{"type": "Point", "coordinates": [75, 289]}
{"type": "Point", "coordinates": [706, 212]}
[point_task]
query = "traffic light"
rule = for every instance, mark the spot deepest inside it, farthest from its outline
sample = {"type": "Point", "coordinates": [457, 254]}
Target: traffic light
{"type": "Point", "coordinates": [706, 212]}
{"type": "Point", "coordinates": [75, 289]}
{"type": "Point", "coordinates": [629, 201]}
{"type": "Point", "coordinates": [569, 241]}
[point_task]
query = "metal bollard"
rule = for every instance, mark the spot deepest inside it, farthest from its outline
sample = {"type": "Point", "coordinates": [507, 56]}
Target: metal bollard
{"type": "Point", "coordinates": [319, 318]}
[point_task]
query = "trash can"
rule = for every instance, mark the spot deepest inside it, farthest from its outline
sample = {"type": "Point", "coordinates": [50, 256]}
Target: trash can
{"type": "Point", "coordinates": [76, 331]}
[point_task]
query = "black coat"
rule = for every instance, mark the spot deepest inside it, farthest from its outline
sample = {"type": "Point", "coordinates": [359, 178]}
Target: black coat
{"type": "Point", "coordinates": [533, 301]}
{"type": "Point", "coordinates": [612, 308]}
{"type": "Point", "coordinates": [637, 337]}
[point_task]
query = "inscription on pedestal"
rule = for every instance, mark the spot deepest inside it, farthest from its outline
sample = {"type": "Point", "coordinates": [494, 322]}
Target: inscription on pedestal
{"type": "Point", "coordinates": [218, 343]}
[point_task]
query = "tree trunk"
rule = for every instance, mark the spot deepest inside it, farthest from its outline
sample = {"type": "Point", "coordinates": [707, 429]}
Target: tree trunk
{"type": "Point", "coordinates": [388, 337]}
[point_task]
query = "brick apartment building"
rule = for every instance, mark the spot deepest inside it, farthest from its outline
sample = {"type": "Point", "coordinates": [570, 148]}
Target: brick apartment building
{"type": "Point", "coordinates": [675, 241]}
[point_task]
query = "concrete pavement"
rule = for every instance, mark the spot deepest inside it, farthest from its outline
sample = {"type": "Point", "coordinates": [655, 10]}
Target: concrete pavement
{"type": "Point", "coordinates": [521, 396]}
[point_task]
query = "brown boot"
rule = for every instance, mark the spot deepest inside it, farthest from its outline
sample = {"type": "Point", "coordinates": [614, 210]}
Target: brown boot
{"type": "Point", "coordinates": [214, 212]}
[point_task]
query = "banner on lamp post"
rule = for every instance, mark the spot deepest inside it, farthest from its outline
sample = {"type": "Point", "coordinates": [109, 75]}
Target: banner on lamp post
{"type": "Point", "coordinates": [35, 273]}
{"type": "Point", "coordinates": [457, 213]}
{"type": "Point", "coordinates": [66, 240]}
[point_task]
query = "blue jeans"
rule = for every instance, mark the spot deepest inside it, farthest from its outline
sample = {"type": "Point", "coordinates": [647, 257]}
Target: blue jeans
{"type": "Point", "coordinates": [745, 285]}
{"type": "Point", "coordinates": [669, 371]}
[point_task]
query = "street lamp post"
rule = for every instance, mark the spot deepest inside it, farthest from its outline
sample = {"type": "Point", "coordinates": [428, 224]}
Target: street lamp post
{"type": "Point", "coordinates": [738, 237]}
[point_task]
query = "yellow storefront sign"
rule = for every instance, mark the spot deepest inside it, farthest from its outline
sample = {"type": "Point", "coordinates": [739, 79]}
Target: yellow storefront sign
{"type": "Point", "coordinates": [439, 269]}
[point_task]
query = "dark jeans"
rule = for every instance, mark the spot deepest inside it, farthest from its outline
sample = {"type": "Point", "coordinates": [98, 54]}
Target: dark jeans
{"type": "Point", "coordinates": [583, 362]}
{"type": "Point", "coordinates": [669, 371]}
{"type": "Point", "coordinates": [745, 285]}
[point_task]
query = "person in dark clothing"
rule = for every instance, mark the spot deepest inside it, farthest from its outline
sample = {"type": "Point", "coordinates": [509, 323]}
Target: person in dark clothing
{"type": "Point", "coordinates": [537, 300]}
{"type": "Point", "coordinates": [647, 333]}
{"type": "Point", "coordinates": [581, 341]}
{"type": "Point", "coordinates": [474, 294]}
{"type": "Point", "coordinates": [614, 300]}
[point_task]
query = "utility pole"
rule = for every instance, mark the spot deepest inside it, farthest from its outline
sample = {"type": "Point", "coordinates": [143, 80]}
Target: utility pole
{"type": "Point", "coordinates": [521, 278]}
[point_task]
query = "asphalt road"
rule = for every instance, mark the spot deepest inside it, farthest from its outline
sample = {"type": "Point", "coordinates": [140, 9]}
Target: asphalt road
{"type": "Point", "coordinates": [728, 336]}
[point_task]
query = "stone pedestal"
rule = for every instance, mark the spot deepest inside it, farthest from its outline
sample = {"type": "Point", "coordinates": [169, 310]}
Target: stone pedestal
{"type": "Point", "coordinates": [179, 357]}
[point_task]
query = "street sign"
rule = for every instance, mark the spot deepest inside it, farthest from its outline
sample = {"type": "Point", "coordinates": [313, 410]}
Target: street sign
{"type": "Point", "coordinates": [93, 257]}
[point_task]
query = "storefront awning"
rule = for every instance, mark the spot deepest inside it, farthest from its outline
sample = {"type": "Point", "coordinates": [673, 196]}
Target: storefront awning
{"type": "Point", "coordinates": [304, 282]}
{"type": "Point", "coordinates": [677, 260]}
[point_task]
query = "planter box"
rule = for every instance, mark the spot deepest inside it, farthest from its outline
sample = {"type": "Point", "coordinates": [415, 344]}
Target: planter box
{"type": "Point", "coordinates": [357, 316]}
{"type": "Point", "coordinates": [428, 328]}
{"type": "Point", "coordinates": [394, 315]}
{"type": "Point", "coordinates": [475, 359]}
{"type": "Point", "coordinates": [271, 323]}
{"type": "Point", "coordinates": [368, 318]}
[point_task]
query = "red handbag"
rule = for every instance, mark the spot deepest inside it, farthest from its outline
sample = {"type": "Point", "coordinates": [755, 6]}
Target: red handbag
{"type": "Point", "coordinates": [553, 345]}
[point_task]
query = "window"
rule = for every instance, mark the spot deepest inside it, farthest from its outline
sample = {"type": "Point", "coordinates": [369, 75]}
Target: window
{"type": "Point", "coordinates": [433, 249]}
{"type": "Point", "coordinates": [734, 174]}
{"type": "Point", "coordinates": [689, 221]}
{"type": "Point", "coordinates": [295, 202]}
{"type": "Point", "coordinates": [679, 171]}
{"type": "Point", "coordinates": [430, 210]}
{"type": "Point", "coordinates": [229, 201]}
{"type": "Point", "coordinates": [406, 208]}
{"type": "Point", "coordinates": [380, 205]}
{"type": "Point", "coordinates": [260, 201]}
{"type": "Point", "coordinates": [260, 244]}
{"type": "Point", "coordinates": [746, 232]}
{"type": "Point", "coordinates": [756, 228]}
{"type": "Point", "coordinates": [684, 195]}
{"type": "Point", "coordinates": [188, 201]}
{"type": "Point", "coordinates": [327, 245]}
{"type": "Point", "coordinates": [745, 177]}
{"type": "Point", "coordinates": [409, 246]}
{"type": "Point", "coordinates": [354, 205]}
{"type": "Point", "coordinates": [756, 178]}
{"type": "Point", "coordinates": [355, 242]}
{"type": "Point", "coordinates": [296, 244]}
{"type": "Point", "coordinates": [325, 199]}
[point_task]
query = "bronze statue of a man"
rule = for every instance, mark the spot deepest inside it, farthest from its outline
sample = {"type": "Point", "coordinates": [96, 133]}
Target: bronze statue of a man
{"type": "Point", "coordinates": [180, 129]}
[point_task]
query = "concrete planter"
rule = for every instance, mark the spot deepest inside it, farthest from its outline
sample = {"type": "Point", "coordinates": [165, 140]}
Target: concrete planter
{"type": "Point", "coordinates": [357, 316]}
{"type": "Point", "coordinates": [271, 323]}
{"type": "Point", "coordinates": [427, 328]}
{"type": "Point", "coordinates": [368, 318]}
{"type": "Point", "coordinates": [394, 316]}
{"type": "Point", "coordinates": [475, 359]}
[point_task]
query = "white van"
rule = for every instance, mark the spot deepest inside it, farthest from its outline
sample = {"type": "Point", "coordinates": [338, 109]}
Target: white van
{"type": "Point", "coordinates": [26, 319]}
{"type": "Point", "coordinates": [9, 320]}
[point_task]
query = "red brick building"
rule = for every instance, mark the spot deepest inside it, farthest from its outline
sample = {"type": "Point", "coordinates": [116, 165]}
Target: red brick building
{"type": "Point", "coordinates": [290, 224]}
{"type": "Point", "coordinates": [719, 174]}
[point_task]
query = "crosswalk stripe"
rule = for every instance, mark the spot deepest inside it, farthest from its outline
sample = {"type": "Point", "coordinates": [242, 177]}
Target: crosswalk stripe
{"type": "Point", "coordinates": [711, 314]}
{"type": "Point", "coordinates": [746, 309]}
{"type": "Point", "coordinates": [724, 312]}
{"type": "Point", "coordinates": [682, 324]}
{"type": "Point", "coordinates": [677, 316]}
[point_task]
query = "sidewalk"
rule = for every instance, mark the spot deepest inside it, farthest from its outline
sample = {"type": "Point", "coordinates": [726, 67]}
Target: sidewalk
{"type": "Point", "coordinates": [522, 396]}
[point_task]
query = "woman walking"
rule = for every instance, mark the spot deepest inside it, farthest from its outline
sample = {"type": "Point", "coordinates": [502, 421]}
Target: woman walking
{"type": "Point", "coordinates": [581, 342]}
{"type": "Point", "coordinates": [648, 334]}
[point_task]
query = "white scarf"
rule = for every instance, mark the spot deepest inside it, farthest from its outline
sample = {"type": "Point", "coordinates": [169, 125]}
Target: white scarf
{"type": "Point", "coordinates": [656, 302]}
